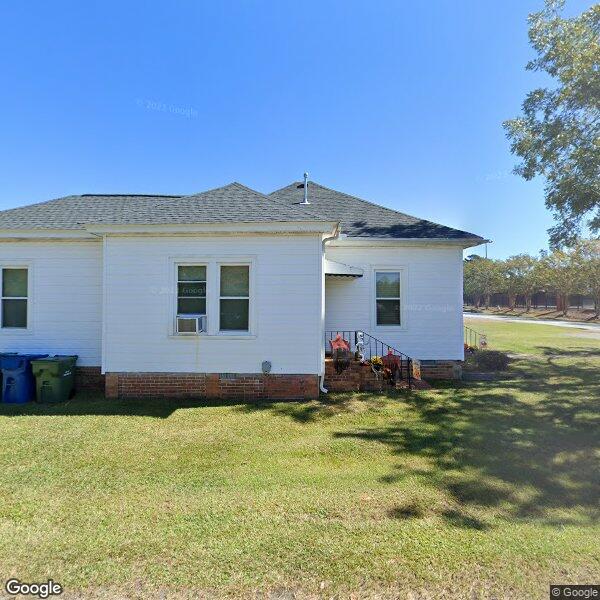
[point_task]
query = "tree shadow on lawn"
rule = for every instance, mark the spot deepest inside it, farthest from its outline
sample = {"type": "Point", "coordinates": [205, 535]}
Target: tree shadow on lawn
{"type": "Point", "coordinates": [95, 404]}
{"type": "Point", "coordinates": [525, 449]}
{"type": "Point", "coordinates": [330, 405]}
{"type": "Point", "coordinates": [550, 352]}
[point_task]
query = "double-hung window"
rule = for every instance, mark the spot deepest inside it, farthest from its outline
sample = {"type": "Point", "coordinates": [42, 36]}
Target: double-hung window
{"type": "Point", "coordinates": [191, 290]}
{"type": "Point", "coordinates": [213, 298]}
{"type": "Point", "coordinates": [14, 297]}
{"type": "Point", "coordinates": [234, 298]}
{"type": "Point", "coordinates": [388, 297]}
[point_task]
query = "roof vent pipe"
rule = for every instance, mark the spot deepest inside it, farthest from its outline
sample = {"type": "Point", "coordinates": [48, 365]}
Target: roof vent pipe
{"type": "Point", "coordinates": [305, 189]}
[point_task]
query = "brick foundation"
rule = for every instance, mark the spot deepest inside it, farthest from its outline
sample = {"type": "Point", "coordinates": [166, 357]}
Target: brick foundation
{"type": "Point", "coordinates": [247, 386]}
{"type": "Point", "coordinates": [441, 369]}
{"type": "Point", "coordinates": [89, 379]}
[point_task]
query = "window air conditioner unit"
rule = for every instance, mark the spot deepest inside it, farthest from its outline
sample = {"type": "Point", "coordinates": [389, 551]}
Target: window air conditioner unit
{"type": "Point", "coordinates": [191, 324]}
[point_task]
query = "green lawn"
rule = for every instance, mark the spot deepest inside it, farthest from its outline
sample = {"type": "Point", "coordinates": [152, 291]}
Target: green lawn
{"type": "Point", "coordinates": [489, 488]}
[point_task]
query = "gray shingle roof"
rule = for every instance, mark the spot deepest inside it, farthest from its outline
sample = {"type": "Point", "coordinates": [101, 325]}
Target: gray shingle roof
{"type": "Point", "coordinates": [231, 203]}
{"type": "Point", "coordinates": [360, 218]}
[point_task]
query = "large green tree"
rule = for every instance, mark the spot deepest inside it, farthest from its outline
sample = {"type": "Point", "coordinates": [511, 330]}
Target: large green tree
{"type": "Point", "coordinates": [482, 278]}
{"type": "Point", "coordinates": [560, 273]}
{"type": "Point", "coordinates": [521, 276]}
{"type": "Point", "coordinates": [588, 261]}
{"type": "Point", "coordinates": [558, 134]}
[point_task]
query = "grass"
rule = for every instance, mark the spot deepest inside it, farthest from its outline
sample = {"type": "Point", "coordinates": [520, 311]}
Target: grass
{"type": "Point", "coordinates": [548, 314]}
{"type": "Point", "coordinates": [485, 489]}
{"type": "Point", "coordinates": [540, 341]}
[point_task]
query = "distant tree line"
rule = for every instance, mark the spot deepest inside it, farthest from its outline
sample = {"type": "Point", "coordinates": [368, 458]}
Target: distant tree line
{"type": "Point", "coordinates": [562, 273]}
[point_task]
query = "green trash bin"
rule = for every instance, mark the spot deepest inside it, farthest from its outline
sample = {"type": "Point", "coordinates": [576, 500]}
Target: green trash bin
{"type": "Point", "coordinates": [54, 378]}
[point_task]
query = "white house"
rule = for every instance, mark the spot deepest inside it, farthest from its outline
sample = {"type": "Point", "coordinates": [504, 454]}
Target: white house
{"type": "Point", "coordinates": [228, 292]}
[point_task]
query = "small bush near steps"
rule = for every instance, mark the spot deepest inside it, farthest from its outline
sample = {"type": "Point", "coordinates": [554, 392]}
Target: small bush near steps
{"type": "Point", "coordinates": [486, 360]}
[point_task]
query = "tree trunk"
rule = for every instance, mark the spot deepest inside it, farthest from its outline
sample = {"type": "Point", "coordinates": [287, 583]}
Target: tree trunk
{"type": "Point", "coordinates": [562, 303]}
{"type": "Point", "coordinates": [527, 303]}
{"type": "Point", "coordinates": [488, 300]}
{"type": "Point", "coordinates": [511, 301]}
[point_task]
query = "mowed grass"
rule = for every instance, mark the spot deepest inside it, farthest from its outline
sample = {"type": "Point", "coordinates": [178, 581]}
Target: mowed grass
{"type": "Point", "coordinates": [478, 490]}
{"type": "Point", "coordinates": [538, 339]}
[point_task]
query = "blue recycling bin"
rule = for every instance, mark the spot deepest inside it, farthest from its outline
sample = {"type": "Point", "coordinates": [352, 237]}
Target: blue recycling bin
{"type": "Point", "coordinates": [18, 384]}
{"type": "Point", "coordinates": [1, 355]}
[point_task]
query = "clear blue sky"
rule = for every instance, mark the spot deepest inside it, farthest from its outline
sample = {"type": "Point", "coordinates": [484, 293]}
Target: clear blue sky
{"type": "Point", "coordinates": [397, 102]}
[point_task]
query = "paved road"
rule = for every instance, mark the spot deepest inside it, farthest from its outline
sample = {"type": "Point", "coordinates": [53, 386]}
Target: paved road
{"type": "Point", "coordinates": [569, 324]}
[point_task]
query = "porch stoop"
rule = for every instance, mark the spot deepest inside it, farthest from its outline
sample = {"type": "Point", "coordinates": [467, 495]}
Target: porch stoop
{"type": "Point", "coordinates": [356, 378]}
{"type": "Point", "coordinates": [360, 377]}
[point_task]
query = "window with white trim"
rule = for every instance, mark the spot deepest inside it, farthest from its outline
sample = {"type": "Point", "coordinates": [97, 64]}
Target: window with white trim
{"type": "Point", "coordinates": [388, 298]}
{"type": "Point", "coordinates": [14, 297]}
{"type": "Point", "coordinates": [234, 297]}
{"type": "Point", "coordinates": [191, 289]}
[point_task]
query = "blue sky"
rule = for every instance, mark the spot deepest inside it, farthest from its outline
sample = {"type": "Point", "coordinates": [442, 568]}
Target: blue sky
{"type": "Point", "coordinates": [397, 102]}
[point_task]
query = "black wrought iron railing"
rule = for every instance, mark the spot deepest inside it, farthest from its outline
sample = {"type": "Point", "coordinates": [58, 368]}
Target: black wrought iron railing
{"type": "Point", "coordinates": [472, 337]}
{"type": "Point", "coordinates": [366, 347]}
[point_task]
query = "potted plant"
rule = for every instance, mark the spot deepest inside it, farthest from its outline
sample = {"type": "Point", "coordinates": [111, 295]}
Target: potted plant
{"type": "Point", "coordinates": [376, 363]}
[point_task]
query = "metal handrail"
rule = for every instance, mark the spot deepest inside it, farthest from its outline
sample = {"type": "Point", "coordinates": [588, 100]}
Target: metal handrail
{"type": "Point", "coordinates": [471, 337]}
{"type": "Point", "coordinates": [368, 346]}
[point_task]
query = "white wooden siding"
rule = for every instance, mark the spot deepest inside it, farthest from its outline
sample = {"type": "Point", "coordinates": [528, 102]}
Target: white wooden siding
{"type": "Point", "coordinates": [65, 299]}
{"type": "Point", "coordinates": [139, 305]}
{"type": "Point", "coordinates": [66, 302]}
{"type": "Point", "coordinates": [432, 325]}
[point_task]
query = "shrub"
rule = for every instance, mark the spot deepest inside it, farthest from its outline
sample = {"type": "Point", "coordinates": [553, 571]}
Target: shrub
{"type": "Point", "coordinates": [489, 360]}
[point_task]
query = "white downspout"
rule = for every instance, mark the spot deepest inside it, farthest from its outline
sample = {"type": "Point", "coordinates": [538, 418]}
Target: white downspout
{"type": "Point", "coordinates": [336, 234]}
{"type": "Point", "coordinates": [321, 384]}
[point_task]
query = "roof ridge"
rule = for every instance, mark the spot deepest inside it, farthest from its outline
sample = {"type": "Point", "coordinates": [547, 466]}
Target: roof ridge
{"type": "Point", "coordinates": [280, 202]}
{"type": "Point", "coordinates": [219, 187]}
{"type": "Point", "coordinates": [127, 196]}
{"type": "Point", "coordinates": [5, 210]}
{"type": "Point", "coordinates": [285, 187]}
{"type": "Point", "coordinates": [315, 214]}
{"type": "Point", "coordinates": [249, 189]}
{"type": "Point", "coordinates": [370, 203]}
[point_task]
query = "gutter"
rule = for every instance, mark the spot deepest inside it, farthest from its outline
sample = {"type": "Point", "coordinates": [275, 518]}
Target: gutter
{"type": "Point", "coordinates": [467, 242]}
{"type": "Point", "coordinates": [330, 238]}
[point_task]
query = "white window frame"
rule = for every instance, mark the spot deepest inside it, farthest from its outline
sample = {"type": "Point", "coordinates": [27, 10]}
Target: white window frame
{"type": "Point", "coordinates": [213, 289]}
{"type": "Point", "coordinates": [234, 332]}
{"type": "Point", "coordinates": [175, 308]}
{"type": "Point", "coordinates": [205, 281]}
{"type": "Point", "coordinates": [402, 298]}
{"type": "Point", "coordinates": [28, 298]}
